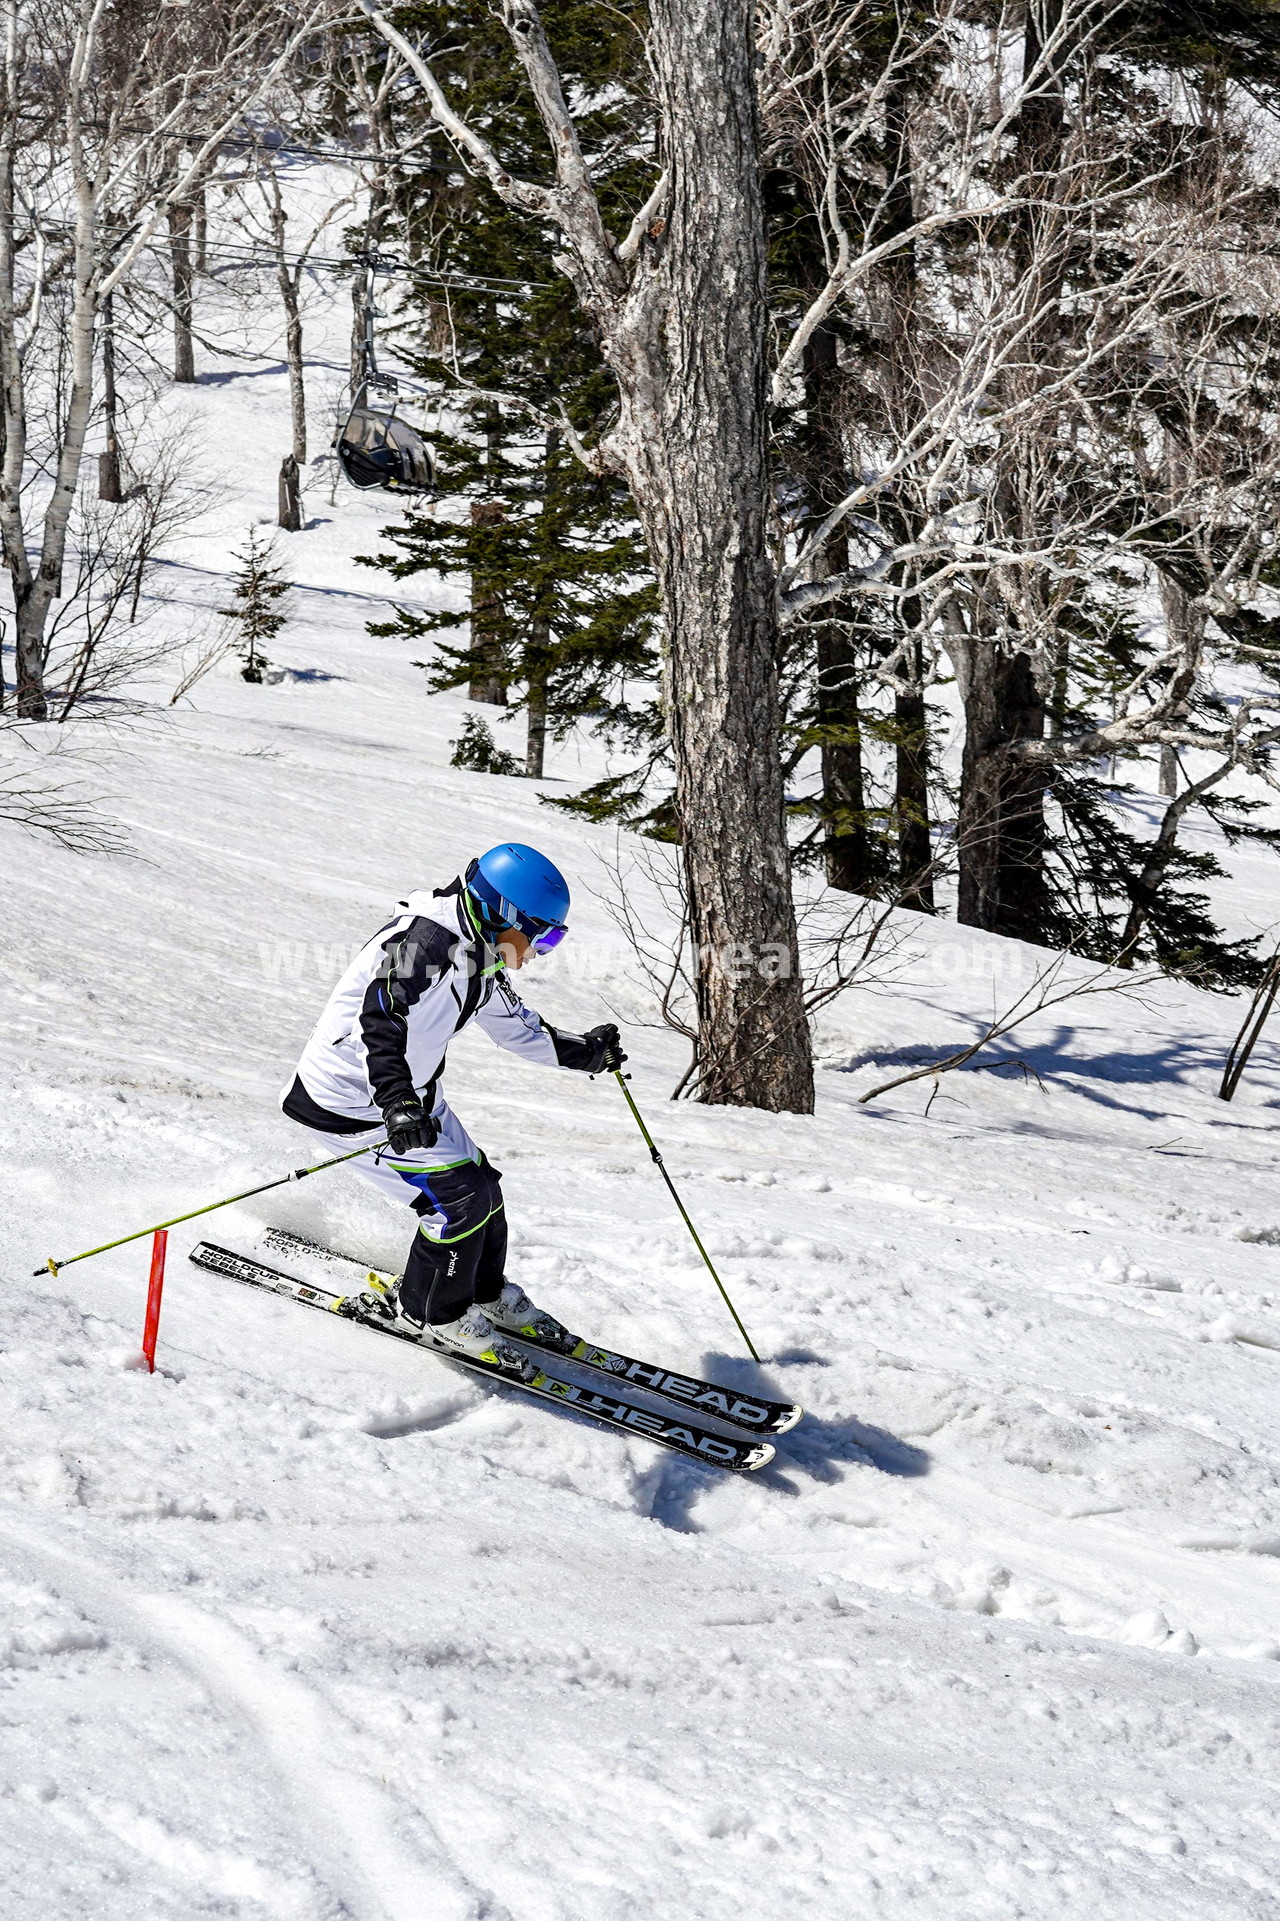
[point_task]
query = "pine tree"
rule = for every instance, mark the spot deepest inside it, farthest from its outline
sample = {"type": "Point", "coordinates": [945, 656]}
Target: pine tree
{"type": "Point", "coordinates": [563, 610]}
{"type": "Point", "coordinates": [569, 612]}
{"type": "Point", "coordinates": [258, 587]}
{"type": "Point", "coordinates": [477, 750]}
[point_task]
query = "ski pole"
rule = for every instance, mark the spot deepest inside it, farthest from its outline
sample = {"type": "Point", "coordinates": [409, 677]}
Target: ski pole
{"type": "Point", "coordinates": [661, 1166]}
{"type": "Point", "coordinates": [299, 1174]}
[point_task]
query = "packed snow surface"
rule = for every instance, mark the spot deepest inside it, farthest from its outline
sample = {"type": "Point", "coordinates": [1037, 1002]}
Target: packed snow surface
{"type": "Point", "coordinates": [308, 1625]}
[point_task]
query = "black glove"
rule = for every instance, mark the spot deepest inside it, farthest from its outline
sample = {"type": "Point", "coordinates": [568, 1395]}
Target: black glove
{"type": "Point", "coordinates": [409, 1125]}
{"type": "Point", "coordinates": [606, 1049]}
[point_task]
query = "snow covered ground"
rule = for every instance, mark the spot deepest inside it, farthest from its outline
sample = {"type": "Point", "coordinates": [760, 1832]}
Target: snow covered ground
{"type": "Point", "coordinates": [309, 1626]}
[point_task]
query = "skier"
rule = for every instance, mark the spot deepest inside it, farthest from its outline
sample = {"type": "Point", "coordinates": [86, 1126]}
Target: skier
{"type": "Point", "coordinates": [378, 1049]}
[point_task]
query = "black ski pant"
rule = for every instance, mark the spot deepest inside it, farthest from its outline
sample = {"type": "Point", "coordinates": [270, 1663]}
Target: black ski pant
{"type": "Point", "coordinates": [459, 1252]}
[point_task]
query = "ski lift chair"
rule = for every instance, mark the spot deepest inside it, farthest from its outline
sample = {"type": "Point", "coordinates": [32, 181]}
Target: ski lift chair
{"type": "Point", "coordinates": [378, 449]}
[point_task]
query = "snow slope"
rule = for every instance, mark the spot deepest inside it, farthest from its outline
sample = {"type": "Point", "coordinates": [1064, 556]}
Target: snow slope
{"type": "Point", "coordinates": [309, 1626]}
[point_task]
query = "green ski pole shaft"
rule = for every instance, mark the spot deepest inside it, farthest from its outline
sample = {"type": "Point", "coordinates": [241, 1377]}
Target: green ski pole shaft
{"type": "Point", "coordinates": [660, 1164]}
{"type": "Point", "coordinates": [299, 1174]}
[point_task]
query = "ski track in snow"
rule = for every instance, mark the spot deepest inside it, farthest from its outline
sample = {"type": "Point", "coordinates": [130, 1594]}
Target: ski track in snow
{"type": "Point", "coordinates": [382, 1879]}
{"type": "Point", "coordinates": [346, 1823]}
{"type": "Point", "coordinates": [309, 1626]}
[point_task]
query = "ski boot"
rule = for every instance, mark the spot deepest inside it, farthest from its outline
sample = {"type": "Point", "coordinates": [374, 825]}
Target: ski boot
{"type": "Point", "coordinates": [514, 1311]}
{"type": "Point", "coordinates": [474, 1337]}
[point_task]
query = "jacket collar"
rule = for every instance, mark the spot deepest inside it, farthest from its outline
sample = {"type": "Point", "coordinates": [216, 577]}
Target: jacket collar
{"type": "Point", "coordinates": [448, 906]}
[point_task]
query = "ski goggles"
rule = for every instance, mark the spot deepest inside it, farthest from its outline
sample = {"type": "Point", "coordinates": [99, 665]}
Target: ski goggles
{"type": "Point", "coordinates": [548, 934]}
{"type": "Point", "coordinates": [542, 935]}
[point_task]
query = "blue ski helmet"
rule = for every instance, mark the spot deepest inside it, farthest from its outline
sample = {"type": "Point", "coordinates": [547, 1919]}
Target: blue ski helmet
{"type": "Point", "coordinates": [516, 886]}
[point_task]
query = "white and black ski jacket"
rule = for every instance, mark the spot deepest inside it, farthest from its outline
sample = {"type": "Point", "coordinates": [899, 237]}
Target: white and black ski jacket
{"type": "Point", "coordinates": [389, 1020]}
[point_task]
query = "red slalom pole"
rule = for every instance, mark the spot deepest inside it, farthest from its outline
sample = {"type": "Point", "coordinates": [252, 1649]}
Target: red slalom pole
{"type": "Point", "coordinates": [159, 1242]}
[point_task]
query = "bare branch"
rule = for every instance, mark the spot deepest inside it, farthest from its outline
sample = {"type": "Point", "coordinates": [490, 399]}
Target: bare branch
{"type": "Point", "coordinates": [629, 247]}
{"type": "Point", "coordinates": [1043, 993]}
{"type": "Point", "coordinates": [515, 192]}
{"type": "Point", "coordinates": [574, 202]}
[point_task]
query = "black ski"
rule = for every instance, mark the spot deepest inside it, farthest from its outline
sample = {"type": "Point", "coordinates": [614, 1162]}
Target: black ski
{"type": "Point", "coordinates": [750, 1411]}
{"type": "Point", "coordinates": [610, 1410]}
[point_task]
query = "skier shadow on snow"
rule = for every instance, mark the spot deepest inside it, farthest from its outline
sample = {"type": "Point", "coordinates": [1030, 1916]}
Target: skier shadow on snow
{"type": "Point", "coordinates": [820, 1449]}
{"type": "Point", "coordinates": [816, 1450]}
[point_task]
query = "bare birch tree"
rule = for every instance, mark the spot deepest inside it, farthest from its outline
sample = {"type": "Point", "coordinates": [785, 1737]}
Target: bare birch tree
{"type": "Point", "coordinates": [130, 108]}
{"type": "Point", "coordinates": [291, 262]}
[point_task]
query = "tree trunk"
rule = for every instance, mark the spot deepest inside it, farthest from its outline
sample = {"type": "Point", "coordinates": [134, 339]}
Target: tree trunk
{"type": "Point", "coordinates": [290, 493]}
{"type": "Point", "coordinates": [1002, 831]}
{"type": "Point", "coordinates": [898, 287]}
{"type": "Point", "coordinates": [1184, 626]}
{"type": "Point", "coordinates": [552, 531]}
{"type": "Point", "coordinates": [288, 282]}
{"type": "Point", "coordinates": [361, 289]}
{"type": "Point", "coordinates": [184, 358]}
{"type": "Point", "coordinates": [536, 700]}
{"type": "Point", "coordinates": [1001, 828]}
{"type": "Point", "coordinates": [35, 592]}
{"type": "Point", "coordinates": [911, 797]}
{"type": "Point", "coordinates": [1056, 718]}
{"type": "Point", "coordinates": [691, 368]}
{"type": "Point", "coordinates": [109, 461]}
{"type": "Point", "coordinates": [364, 283]}
{"type": "Point", "coordinates": [1168, 771]}
{"type": "Point", "coordinates": [846, 845]}
{"type": "Point", "coordinates": [29, 649]}
{"type": "Point", "coordinates": [293, 353]}
{"type": "Point", "coordinates": [682, 316]}
{"type": "Point", "coordinates": [490, 682]}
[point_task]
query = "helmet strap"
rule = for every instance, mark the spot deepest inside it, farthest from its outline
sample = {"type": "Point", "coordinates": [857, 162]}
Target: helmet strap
{"type": "Point", "coordinates": [484, 927]}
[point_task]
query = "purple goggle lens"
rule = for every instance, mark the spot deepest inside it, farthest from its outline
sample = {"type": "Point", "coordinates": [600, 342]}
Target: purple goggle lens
{"type": "Point", "coordinates": [546, 938]}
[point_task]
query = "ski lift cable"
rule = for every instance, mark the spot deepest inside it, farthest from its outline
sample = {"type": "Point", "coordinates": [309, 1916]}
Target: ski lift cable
{"type": "Point", "coordinates": [250, 254]}
{"type": "Point", "coordinates": [381, 263]}
{"type": "Point", "coordinates": [242, 140]}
